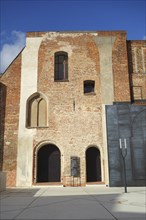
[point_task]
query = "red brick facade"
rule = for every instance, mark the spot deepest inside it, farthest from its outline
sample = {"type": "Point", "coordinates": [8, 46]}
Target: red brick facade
{"type": "Point", "coordinates": [10, 99]}
{"type": "Point", "coordinates": [137, 68]}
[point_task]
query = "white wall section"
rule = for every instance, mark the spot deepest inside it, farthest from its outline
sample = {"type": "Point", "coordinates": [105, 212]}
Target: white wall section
{"type": "Point", "coordinates": [28, 87]}
{"type": "Point", "coordinates": [105, 45]}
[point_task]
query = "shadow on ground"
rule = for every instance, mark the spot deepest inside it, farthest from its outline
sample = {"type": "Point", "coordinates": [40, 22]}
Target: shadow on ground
{"type": "Point", "coordinates": [71, 203]}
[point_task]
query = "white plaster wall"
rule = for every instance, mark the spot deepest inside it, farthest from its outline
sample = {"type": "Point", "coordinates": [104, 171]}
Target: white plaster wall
{"type": "Point", "coordinates": [54, 35]}
{"type": "Point", "coordinates": [105, 45]}
{"type": "Point", "coordinates": [28, 87]}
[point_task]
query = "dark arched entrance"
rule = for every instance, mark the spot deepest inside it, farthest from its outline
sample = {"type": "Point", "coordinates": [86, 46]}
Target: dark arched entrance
{"type": "Point", "coordinates": [93, 165]}
{"type": "Point", "coordinates": [48, 164]}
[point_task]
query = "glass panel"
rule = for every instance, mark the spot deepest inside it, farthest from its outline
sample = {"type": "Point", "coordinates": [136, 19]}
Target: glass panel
{"type": "Point", "coordinates": [56, 67]}
{"type": "Point", "coordinates": [56, 76]}
{"type": "Point", "coordinates": [61, 66]}
{"type": "Point", "coordinates": [66, 71]}
{"type": "Point", "coordinates": [61, 71]}
{"type": "Point", "coordinates": [61, 59]}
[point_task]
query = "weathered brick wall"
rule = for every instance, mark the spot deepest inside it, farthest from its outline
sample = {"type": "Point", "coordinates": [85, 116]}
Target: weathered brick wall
{"type": "Point", "coordinates": [74, 128]}
{"type": "Point", "coordinates": [2, 120]}
{"type": "Point", "coordinates": [137, 68]}
{"type": "Point", "coordinates": [10, 91]}
{"type": "Point", "coordinates": [120, 69]}
{"type": "Point", "coordinates": [119, 56]}
{"type": "Point", "coordinates": [74, 119]}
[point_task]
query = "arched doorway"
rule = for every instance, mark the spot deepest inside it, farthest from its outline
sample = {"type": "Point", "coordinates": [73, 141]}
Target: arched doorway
{"type": "Point", "coordinates": [93, 165]}
{"type": "Point", "coordinates": [48, 164]}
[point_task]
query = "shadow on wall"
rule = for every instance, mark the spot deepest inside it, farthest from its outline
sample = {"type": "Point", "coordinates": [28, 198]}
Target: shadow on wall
{"type": "Point", "coordinates": [130, 66]}
{"type": "Point", "coordinates": [126, 121]}
{"type": "Point", "coordinates": [75, 203]}
{"type": "Point", "coordinates": [2, 120]}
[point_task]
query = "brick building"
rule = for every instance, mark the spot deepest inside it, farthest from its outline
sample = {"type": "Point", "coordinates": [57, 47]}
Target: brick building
{"type": "Point", "coordinates": [66, 100]}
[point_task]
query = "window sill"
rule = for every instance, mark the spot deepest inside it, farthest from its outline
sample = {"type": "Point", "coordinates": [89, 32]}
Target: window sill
{"type": "Point", "coordinates": [39, 127]}
{"type": "Point", "coordinates": [63, 80]}
{"type": "Point", "coordinates": [90, 93]}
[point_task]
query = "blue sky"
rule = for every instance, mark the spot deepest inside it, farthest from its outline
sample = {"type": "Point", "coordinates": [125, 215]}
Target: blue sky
{"type": "Point", "coordinates": [21, 16]}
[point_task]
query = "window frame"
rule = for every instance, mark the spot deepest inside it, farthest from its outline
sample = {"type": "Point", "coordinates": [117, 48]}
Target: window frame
{"type": "Point", "coordinates": [88, 86]}
{"type": "Point", "coordinates": [61, 75]}
{"type": "Point", "coordinates": [38, 98]}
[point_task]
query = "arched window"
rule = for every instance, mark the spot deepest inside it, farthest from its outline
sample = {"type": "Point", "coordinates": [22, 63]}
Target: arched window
{"type": "Point", "coordinates": [89, 86]}
{"type": "Point", "coordinates": [61, 66]}
{"type": "Point", "coordinates": [36, 111]}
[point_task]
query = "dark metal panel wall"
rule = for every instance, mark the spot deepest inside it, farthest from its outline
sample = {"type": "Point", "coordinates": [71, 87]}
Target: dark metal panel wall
{"type": "Point", "coordinates": [127, 121]}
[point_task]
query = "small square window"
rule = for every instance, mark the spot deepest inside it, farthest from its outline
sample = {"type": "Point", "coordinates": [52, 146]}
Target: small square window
{"type": "Point", "coordinates": [89, 86]}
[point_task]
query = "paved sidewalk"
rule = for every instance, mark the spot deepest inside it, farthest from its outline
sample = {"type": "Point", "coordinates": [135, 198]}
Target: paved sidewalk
{"type": "Point", "coordinates": [89, 202]}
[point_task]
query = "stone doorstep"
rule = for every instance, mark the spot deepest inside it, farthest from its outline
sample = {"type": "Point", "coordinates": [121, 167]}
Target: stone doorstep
{"type": "Point", "coordinates": [48, 184]}
{"type": "Point", "coordinates": [96, 184]}
{"type": "Point", "coordinates": [69, 185]}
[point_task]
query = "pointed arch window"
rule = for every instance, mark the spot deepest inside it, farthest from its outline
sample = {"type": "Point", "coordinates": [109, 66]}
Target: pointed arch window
{"type": "Point", "coordinates": [61, 66]}
{"type": "Point", "coordinates": [36, 112]}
